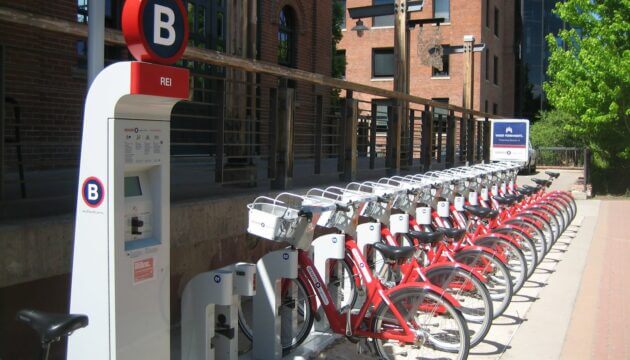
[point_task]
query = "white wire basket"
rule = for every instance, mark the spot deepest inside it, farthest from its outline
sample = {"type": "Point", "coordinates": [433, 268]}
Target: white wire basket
{"type": "Point", "coordinates": [275, 220]}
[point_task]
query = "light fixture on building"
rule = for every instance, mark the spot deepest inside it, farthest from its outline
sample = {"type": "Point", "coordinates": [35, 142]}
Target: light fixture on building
{"type": "Point", "coordinates": [360, 27]}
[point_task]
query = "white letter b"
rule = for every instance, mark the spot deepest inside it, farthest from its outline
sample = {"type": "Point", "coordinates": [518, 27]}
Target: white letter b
{"type": "Point", "coordinates": [167, 25]}
{"type": "Point", "coordinates": [92, 192]}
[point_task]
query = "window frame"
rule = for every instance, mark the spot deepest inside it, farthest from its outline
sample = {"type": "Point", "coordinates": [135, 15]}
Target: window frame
{"type": "Point", "coordinates": [383, 17]}
{"type": "Point", "coordinates": [496, 21]}
{"type": "Point", "coordinates": [436, 74]}
{"type": "Point", "coordinates": [488, 14]}
{"type": "Point", "coordinates": [382, 51]}
{"type": "Point", "coordinates": [446, 20]}
{"type": "Point", "coordinates": [495, 77]}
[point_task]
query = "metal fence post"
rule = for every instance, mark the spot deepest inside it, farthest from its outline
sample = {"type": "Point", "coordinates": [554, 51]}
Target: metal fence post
{"type": "Point", "coordinates": [440, 133]}
{"type": "Point", "coordinates": [284, 139]}
{"type": "Point", "coordinates": [351, 137]}
{"type": "Point", "coordinates": [412, 115]}
{"type": "Point", "coordinates": [470, 151]}
{"type": "Point", "coordinates": [394, 137]}
{"type": "Point", "coordinates": [486, 140]}
{"type": "Point", "coordinates": [342, 132]}
{"type": "Point", "coordinates": [450, 139]}
{"type": "Point", "coordinates": [373, 135]}
{"type": "Point", "coordinates": [273, 125]}
{"type": "Point", "coordinates": [462, 138]}
{"type": "Point", "coordinates": [587, 168]}
{"type": "Point", "coordinates": [2, 106]}
{"type": "Point", "coordinates": [220, 147]}
{"type": "Point", "coordinates": [319, 120]}
{"type": "Point", "coordinates": [427, 137]}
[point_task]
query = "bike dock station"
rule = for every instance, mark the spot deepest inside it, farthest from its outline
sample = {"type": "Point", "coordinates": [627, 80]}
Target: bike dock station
{"type": "Point", "coordinates": [121, 268]}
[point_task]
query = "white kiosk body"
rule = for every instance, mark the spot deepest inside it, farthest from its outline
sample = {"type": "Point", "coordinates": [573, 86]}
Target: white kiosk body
{"type": "Point", "coordinates": [120, 273]}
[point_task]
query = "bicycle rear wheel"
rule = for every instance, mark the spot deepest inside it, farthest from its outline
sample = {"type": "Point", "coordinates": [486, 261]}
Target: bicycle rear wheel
{"type": "Point", "coordinates": [440, 328]}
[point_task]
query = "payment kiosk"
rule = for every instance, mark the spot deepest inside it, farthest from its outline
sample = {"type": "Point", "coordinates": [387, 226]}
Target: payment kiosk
{"type": "Point", "coordinates": [120, 271]}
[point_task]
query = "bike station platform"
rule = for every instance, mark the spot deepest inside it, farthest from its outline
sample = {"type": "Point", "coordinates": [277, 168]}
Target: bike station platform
{"type": "Point", "coordinates": [571, 307]}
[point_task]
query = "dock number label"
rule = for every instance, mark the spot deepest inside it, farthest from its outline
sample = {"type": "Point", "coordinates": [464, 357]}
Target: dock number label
{"type": "Point", "coordinates": [93, 192]}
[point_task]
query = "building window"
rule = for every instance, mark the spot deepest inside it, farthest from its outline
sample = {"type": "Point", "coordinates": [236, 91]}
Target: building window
{"type": "Point", "coordinates": [495, 108]}
{"type": "Point", "coordinates": [382, 116]}
{"type": "Point", "coordinates": [485, 106]}
{"type": "Point", "coordinates": [340, 64]}
{"type": "Point", "coordinates": [435, 72]}
{"type": "Point", "coordinates": [286, 40]}
{"type": "Point", "coordinates": [496, 21]}
{"type": "Point", "coordinates": [342, 5]}
{"type": "Point", "coordinates": [487, 63]}
{"type": "Point", "coordinates": [385, 20]}
{"type": "Point", "coordinates": [383, 63]}
{"type": "Point", "coordinates": [487, 13]}
{"type": "Point", "coordinates": [442, 9]}
{"type": "Point", "coordinates": [496, 70]}
{"type": "Point", "coordinates": [440, 113]}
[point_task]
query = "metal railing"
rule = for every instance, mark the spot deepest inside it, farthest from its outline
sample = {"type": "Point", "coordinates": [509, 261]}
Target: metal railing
{"type": "Point", "coordinates": [560, 157]}
{"type": "Point", "coordinates": [251, 124]}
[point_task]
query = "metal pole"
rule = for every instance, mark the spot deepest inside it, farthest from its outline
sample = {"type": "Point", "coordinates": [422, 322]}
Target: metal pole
{"type": "Point", "coordinates": [2, 106]}
{"type": "Point", "coordinates": [96, 38]}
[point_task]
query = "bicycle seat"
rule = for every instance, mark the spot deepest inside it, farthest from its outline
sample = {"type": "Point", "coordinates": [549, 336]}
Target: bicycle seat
{"type": "Point", "coordinates": [51, 327]}
{"type": "Point", "coordinates": [532, 188]}
{"type": "Point", "coordinates": [541, 182]}
{"type": "Point", "coordinates": [517, 197]}
{"type": "Point", "coordinates": [450, 233]}
{"type": "Point", "coordinates": [553, 174]}
{"type": "Point", "coordinates": [526, 191]}
{"type": "Point", "coordinates": [503, 200]}
{"type": "Point", "coordinates": [393, 252]}
{"type": "Point", "coordinates": [426, 237]}
{"type": "Point", "coordinates": [481, 212]}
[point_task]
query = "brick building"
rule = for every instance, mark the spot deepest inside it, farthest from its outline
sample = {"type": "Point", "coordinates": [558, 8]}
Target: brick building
{"type": "Point", "coordinates": [370, 55]}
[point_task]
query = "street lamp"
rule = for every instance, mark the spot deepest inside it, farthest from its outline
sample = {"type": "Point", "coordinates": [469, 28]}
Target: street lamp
{"type": "Point", "coordinates": [360, 26]}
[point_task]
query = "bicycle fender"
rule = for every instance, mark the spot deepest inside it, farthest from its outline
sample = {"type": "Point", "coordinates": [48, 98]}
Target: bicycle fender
{"type": "Point", "coordinates": [508, 226]}
{"type": "Point", "coordinates": [426, 286]}
{"type": "Point", "coordinates": [454, 265]}
{"type": "Point", "coordinates": [309, 288]}
{"type": "Point", "coordinates": [499, 236]}
{"type": "Point", "coordinates": [487, 250]}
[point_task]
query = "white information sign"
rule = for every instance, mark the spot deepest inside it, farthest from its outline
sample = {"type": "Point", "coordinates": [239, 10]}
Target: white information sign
{"type": "Point", "coordinates": [509, 139]}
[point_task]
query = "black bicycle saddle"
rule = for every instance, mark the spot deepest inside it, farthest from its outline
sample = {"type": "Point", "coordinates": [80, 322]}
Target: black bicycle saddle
{"type": "Point", "coordinates": [51, 327]}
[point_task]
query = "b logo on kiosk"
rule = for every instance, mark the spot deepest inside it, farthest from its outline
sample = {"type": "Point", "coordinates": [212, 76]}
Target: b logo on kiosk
{"type": "Point", "coordinates": [155, 30]}
{"type": "Point", "coordinates": [93, 192]}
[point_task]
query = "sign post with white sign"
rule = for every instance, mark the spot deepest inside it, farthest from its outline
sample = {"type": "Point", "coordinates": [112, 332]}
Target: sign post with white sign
{"type": "Point", "coordinates": [121, 263]}
{"type": "Point", "coordinates": [509, 139]}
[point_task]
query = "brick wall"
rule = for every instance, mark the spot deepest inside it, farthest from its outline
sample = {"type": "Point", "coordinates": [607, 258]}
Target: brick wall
{"type": "Point", "coordinates": [467, 18]}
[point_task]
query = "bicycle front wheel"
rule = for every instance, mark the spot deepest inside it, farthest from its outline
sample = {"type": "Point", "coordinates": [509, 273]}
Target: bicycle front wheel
{"type": "Point", "coordinates": [440, 328]}
{"type": "Point", "coordinates": [296, 317]}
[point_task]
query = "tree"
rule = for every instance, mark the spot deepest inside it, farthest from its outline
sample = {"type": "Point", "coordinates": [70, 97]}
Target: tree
{"type": "Point", "coordinates": [548, 130]}
{"type": "Point", "coordinates": [338, 62]}
{"type": "Point", "coordinates": [589, 72]}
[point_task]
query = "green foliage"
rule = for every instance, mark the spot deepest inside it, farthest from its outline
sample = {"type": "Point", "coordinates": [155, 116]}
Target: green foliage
{"type": "Point", "coordinates": [589, 71]}
{"type": "Point", "coordinates": [549, 130]}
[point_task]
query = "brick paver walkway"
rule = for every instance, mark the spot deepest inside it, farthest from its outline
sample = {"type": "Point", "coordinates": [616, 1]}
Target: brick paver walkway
{"type": "Point", "coordinates": [600, 324]}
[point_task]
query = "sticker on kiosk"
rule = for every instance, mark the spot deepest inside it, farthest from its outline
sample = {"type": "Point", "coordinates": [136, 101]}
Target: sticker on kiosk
{"type": "Point", "coordinates": [143, 270]}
